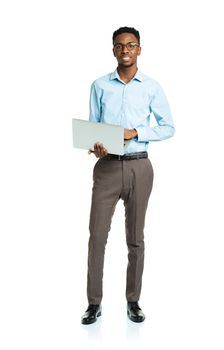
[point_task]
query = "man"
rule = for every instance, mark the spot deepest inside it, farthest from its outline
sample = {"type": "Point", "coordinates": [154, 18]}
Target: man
{"type": "Point", "coordinates": [125, 97]}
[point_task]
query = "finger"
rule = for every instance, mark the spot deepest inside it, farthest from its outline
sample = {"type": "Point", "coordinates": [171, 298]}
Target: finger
{"type": "Point", "coordinates": [102, 147]}
{"type": "Point", "coordinates": [98, 150]}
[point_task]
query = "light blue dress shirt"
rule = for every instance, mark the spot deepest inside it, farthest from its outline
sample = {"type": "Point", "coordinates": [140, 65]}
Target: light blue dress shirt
{"type": "Point", "coordinates": [130, 105]}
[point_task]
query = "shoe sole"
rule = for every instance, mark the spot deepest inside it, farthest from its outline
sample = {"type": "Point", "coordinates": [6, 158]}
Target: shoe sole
{"type": "Point", "coordinates": [93, 321]}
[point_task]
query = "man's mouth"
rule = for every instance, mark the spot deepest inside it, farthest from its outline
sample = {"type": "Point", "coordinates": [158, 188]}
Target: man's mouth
{"type": "Point", "coordinates": [125, 58]}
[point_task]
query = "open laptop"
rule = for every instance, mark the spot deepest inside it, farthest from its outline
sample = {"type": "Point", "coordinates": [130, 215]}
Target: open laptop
{"type": "Point", "coordinates": [86, 134]}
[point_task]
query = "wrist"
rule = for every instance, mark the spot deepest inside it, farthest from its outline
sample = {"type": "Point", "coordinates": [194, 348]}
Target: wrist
{"type": "Point", "coordinates": [134, 133]}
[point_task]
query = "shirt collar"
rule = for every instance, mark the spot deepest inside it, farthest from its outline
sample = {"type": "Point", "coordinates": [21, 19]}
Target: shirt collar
{"type": "Point", "coordinates": [138, 76]}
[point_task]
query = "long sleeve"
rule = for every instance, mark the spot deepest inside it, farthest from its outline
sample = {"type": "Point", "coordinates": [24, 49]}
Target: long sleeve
{"type": "Point", "coordinates": [165, 128]}
{"type": "Point", "coordinates": [94, 104]}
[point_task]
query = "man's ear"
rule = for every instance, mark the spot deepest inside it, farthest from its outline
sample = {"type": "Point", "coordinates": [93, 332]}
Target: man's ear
{"type": "Point", "coordinates": [114, 52]}
{"type": "Point", "coordinates": [139, 50]}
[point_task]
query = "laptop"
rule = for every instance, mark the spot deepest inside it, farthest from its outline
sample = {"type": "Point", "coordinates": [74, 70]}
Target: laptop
{"type": "Point", "coordinates": [86, 134]}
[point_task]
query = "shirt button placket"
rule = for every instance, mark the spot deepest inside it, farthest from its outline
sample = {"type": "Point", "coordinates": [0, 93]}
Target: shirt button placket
{"type": "Point", "coordinates": [123, 105]}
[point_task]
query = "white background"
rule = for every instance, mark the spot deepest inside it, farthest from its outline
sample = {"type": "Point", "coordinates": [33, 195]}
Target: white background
{"type": "Point", "coordinates": [51, 51]}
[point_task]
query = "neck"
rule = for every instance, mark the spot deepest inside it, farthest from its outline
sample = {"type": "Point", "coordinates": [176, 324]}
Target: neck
{"type": "Point", "coordinates": [127, 73]}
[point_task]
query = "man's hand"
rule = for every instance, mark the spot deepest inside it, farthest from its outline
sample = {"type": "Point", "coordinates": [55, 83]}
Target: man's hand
{"type": "Point", "coordinates": [99, 150]}
{"type": "Point", "coordinates": [129, 134]}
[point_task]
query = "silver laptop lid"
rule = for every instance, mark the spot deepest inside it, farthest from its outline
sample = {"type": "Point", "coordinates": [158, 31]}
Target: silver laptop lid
{"type": "Point", "coordinates": [86, 133]}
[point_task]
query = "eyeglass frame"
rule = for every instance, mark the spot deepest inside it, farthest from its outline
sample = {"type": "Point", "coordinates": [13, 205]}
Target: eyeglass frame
{"type": "Point", "coordinates": [126, 45]}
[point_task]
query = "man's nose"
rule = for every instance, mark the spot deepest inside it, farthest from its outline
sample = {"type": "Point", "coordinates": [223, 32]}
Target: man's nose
{"type": "Point", "coordinates": [124, 49]}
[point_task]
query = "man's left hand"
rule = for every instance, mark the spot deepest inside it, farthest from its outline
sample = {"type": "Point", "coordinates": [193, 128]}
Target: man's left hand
{"type": "Point", "coordinates": [129, 134]}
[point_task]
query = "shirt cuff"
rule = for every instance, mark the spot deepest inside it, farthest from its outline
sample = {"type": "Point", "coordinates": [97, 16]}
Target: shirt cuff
{"type": "Point", "coordinates": [142, 134]}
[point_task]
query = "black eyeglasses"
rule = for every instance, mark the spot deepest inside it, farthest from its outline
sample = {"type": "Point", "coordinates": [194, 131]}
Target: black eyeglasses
{"type": "Point", "coordinates": [130, 46]}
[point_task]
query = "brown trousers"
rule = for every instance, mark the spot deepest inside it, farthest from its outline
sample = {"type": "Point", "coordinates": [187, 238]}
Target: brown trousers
{"type": "Point", "coordinates": [130, 180]}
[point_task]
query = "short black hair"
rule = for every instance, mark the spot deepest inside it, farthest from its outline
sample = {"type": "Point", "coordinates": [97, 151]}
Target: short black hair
{"type": "Point", "coordinates": [122, 30]}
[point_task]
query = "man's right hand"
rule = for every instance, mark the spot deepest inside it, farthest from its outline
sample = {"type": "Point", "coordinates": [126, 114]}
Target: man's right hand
{"type": "Point", "coordinates": [99, 150]}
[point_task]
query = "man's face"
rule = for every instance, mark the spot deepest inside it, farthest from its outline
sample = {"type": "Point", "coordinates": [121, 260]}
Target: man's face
{"type": "Point", "coordinates": [126, 49]}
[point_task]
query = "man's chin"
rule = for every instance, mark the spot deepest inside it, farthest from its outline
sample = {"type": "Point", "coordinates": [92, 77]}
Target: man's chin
{"type": "Point", "coordinates": [126, 65]}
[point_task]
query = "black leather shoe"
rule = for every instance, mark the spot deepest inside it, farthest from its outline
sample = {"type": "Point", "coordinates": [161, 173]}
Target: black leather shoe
{"type": "Point", "coordinates": [135, 312]}
{"type": "Point", "coordinates": [91, 314]}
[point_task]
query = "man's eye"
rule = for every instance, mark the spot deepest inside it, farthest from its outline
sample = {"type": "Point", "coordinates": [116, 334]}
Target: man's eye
{"type": "Point", "coordinates": [130, 46]}
{"type": "Point", "coordinates": [118, 47]}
